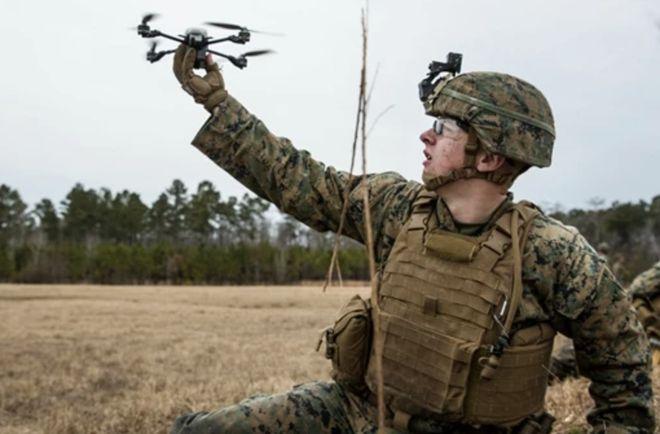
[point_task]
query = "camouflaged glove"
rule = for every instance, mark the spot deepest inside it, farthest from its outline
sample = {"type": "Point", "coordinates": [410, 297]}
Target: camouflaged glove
{"type": "Point", "coordinates": [208, 90]}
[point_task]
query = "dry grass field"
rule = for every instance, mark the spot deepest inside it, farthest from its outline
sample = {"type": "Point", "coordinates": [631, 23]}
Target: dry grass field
{"type": "Point", "coordinates": [101, 359]}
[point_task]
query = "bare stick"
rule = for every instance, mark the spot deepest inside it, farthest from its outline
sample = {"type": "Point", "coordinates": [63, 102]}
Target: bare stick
{"type": "Point", "coordinates": [341, 280]}
{"type": "Point", "coordinates": [369, 231]}
{"type": "Point", "coordinates": [380, 115]}
{"type": "Point", "coordinates": [344, 210]}
{"type": "Point", "coordinates": [373, 84]}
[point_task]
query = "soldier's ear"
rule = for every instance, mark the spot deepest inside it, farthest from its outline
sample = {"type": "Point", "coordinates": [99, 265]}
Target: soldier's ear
{"type": "Point", "coordinates": [489, 162]}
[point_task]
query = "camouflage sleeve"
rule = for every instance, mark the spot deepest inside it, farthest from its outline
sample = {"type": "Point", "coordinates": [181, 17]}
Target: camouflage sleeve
{"type": "Point", "coordinates": [613, 351]}
{"type": "Point", "coordinates": [589, 305]}
{"type": "Point", "coordinates": [297, 184]}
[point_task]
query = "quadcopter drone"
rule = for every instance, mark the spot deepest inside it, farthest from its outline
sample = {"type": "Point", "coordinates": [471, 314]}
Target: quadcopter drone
{"type": "Point", "coordinates": [200, 41]}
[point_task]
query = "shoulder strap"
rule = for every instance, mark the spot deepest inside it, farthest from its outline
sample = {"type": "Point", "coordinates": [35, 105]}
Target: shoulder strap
{"type": "Point", "coordinates": [522, 215]}
{"type": "Point", "coordinates": [521, 218]}
{"type": "Point", "coordinates": [424, 201]}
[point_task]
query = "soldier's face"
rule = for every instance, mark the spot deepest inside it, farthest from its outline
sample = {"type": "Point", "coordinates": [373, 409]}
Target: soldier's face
{"type": "Point", "coordinates": [444, 148]}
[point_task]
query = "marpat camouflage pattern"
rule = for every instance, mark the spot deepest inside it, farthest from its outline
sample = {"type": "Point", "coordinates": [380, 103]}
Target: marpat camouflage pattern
{"type": "Point", "coordinates": [566, 283]}
{"type": "Point", "coordinates": [645, 292]}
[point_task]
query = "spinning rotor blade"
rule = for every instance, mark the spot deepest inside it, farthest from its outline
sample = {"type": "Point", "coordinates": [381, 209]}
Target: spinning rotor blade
{"type": "Point", "coordinates": [226, 26]}
{"type": "Point", "coordinates": [148, 17]}
{"type": "Point", "coordinates": [265, 33]}
{"type": "Point", "coordinates": [153, 56]}
{"type": "Point", "coordinates": [256, 53]}
{"type": "Point", "coordinates": [237, 27]}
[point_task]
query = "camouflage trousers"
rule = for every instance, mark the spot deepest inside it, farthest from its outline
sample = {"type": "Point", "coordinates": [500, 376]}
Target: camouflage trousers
{"type": "Point", "coordinates": [318, 407]}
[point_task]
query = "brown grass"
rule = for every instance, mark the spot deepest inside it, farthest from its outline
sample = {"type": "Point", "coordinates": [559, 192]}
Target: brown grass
{"type": "Point", "coordinates": [122, 359]}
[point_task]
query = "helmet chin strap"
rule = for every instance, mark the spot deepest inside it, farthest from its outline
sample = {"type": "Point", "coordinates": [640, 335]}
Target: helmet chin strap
{"type": "Point", "coordinates": [469, 171]}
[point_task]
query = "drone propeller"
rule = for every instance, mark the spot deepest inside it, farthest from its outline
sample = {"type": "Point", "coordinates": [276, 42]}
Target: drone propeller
{"type": "Point", "coordinates": [148, 17]}
{"type": "Point", "coordinates": [155, 56]}
{"type": "Point", "coordinates": [229, 26]}
{"type": "Point", "coordinates": [151, 54]}
{"type": "Point", "coordinates": [225, 26]}
{"type": "Point", "coordinates": [256, 53]}
{"type": "Point", "coordinates": [143, 28]}
{"type": "Point", "coordinates": [241, 60]}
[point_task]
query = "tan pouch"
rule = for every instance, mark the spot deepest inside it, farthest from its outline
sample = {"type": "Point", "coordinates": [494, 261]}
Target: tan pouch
{"type": "Point", "coordinates": [451, 246]}
{"type": "Point", "coordinates": [347, 343]}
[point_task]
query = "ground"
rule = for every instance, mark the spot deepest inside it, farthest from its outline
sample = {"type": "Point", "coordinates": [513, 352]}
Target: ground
{"type": "Point", "coordinates": [129, 359]}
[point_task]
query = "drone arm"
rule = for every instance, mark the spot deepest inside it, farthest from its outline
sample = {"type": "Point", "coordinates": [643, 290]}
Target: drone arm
{"type": "Point", "coordinates": [215, 41]}
{"type": "Point", "coordinates": [239, 62]}
{"type": "Point", "coordinates": [155, 57]}
{"type": "Point", "coordinates": [156, 33]}
{"type": "Point", "coordinates": [221, 55]}
{"type": "Point", "coordinates": [164, 53]}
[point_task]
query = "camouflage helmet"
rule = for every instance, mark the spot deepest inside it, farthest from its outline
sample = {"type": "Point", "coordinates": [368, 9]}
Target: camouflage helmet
{"type": "Point", "coordinates": [509, 116]}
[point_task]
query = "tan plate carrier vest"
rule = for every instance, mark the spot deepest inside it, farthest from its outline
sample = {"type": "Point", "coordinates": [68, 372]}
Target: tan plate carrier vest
{"type": "Point", "coordinates": [446, 304]}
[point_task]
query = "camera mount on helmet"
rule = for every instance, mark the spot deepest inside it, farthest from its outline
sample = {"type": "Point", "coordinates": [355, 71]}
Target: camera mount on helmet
{"type": "Point", "coordinates": [452, 66]}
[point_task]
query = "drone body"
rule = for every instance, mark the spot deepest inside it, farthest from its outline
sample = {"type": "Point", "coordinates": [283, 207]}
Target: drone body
{"type": "Point", "coordinates": [198, 39]}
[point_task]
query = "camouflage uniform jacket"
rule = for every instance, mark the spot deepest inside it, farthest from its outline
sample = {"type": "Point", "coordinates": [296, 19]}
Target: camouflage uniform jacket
{"type": "Point", "coordinates": [565, 281]}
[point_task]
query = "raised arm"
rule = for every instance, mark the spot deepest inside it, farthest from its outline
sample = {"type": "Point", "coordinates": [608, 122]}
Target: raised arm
{"type": "Point", "coordinates": [297, 184]}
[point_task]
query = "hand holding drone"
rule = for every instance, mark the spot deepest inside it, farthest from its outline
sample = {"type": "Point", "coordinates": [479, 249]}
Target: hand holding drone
{"type": "Point", "coordinates": [198, 39]}
{"type": "Point", "coordinates": [208, 90]}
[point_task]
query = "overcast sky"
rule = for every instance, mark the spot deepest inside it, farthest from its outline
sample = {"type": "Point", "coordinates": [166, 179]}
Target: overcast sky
{"type": "Point", "coordinates": [80, 104]}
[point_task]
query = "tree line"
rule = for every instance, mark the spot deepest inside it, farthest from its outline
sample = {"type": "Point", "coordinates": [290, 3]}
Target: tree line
{"type": "Point", "coordinates": [183, 237]}
{"type": "Point", "coordinates": [628, 233]}
{"type": "Point", "coordinates": [201, 237]}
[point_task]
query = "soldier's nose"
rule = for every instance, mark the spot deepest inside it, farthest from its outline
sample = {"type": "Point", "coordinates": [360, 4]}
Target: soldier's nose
{"type": "Point", "coordinates": [427, 137]}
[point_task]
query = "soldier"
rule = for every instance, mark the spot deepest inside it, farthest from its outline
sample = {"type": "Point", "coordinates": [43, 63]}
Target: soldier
{"type": "Point", "coordinates": [645, 292]}
{"type": "Point", "coordinates": [472, 285]}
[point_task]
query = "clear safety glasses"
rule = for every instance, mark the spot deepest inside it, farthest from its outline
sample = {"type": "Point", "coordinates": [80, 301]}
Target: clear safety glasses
{"type": "Point", "coordinates": [448, 126]}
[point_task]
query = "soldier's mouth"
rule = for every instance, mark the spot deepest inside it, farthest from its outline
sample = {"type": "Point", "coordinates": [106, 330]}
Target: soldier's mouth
{"type": "Point", "coordinates": [427, 158]}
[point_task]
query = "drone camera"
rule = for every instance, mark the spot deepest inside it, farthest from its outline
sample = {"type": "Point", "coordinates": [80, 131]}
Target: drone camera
{"type": "Point", "coordinates": [196, 38]}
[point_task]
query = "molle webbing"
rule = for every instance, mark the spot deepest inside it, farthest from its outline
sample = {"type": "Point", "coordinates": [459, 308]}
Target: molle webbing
{"type": "Point", "coordinates": [518, 387]}
{"type": "Point", "coordinates": [442, 300]}
{"type": "Point", "coordinates": [452, 247]}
